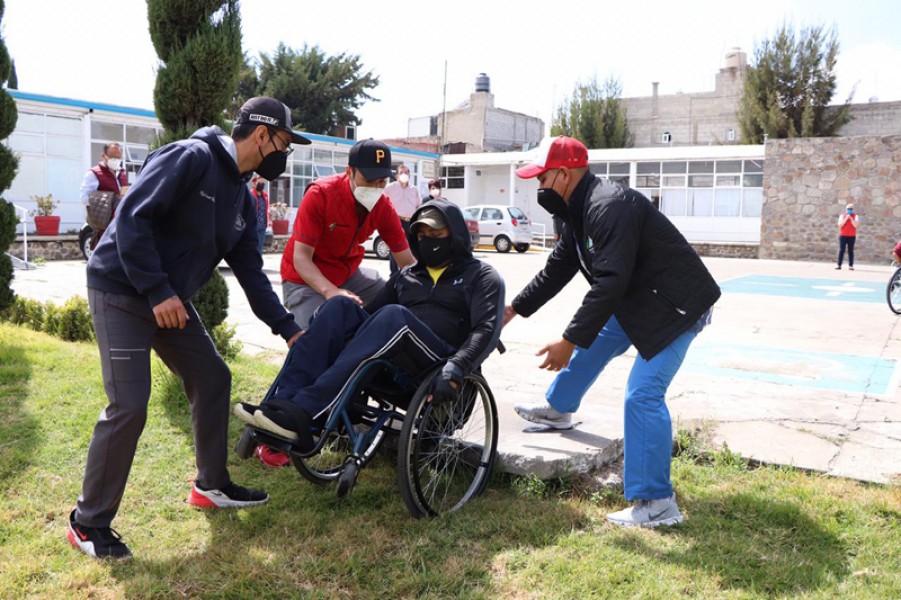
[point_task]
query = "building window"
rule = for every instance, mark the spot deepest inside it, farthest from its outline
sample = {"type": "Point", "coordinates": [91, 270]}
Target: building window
{"type": "Point", "coordinates": [730, 135]}
{"type": "Point", "coordinates": [666, 138]}
{"type": "Point", "coordinates": [454, 177]}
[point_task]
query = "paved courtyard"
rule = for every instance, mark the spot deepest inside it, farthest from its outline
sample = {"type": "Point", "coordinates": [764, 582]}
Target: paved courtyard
{"type": "Point", "coordinates": [800, 367]}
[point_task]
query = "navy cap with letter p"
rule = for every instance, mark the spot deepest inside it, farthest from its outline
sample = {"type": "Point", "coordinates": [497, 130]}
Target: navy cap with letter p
{"type": "Point", "coordinates": [372, 158]}
{"type": "Point", "coordinates": [271, 113]}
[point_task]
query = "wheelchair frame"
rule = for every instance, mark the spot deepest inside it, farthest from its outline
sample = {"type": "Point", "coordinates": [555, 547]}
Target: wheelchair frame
{"type": "Point", "coordinates": [444, 459]}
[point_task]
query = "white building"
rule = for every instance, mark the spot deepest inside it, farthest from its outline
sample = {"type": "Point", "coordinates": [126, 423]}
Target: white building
{"type": "Point", "coordinates": [711, 193]}
{"type": "Point", "coordinates": [59, 139]}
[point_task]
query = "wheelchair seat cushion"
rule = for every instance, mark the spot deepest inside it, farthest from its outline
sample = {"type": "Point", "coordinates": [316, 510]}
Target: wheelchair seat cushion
{"type": "Point", "coordinates": [286, 419]}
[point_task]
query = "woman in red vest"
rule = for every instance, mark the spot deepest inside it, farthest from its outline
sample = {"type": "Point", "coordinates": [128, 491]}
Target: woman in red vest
{"type": "Point", "coordinates": [847, 234]}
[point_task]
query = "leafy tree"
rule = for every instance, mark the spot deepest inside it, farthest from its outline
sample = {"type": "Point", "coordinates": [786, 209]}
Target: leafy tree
{"type": "Point", "coordinates": [199, 46]}
{"type": "Point", "coordinates": [322, 91]}
{"type": "Point", "coordinates": [788, 89]}
{"type": "Point", "coordinates": [13, 82]}
{"type": "Point", "coordinates": [9, 166]}
{"type": "Point", "coordinates": [594, 115]}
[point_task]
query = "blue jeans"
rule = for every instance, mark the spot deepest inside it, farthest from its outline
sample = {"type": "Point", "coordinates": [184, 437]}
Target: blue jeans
{"type": "Point", "coordinates": [648, 437]}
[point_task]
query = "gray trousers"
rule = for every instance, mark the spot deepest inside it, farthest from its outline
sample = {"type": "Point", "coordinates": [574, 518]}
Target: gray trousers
{"type": "Point", "coordinates": [303, 301]}
{"type": "Point", "coordinates": [126, 331]}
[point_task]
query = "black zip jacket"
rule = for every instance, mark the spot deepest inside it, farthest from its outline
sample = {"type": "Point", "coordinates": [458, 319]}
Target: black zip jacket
{"type": "Point", "coordinates": [640, 268]}
{"type": "Point", "coordinates": [464, 308]}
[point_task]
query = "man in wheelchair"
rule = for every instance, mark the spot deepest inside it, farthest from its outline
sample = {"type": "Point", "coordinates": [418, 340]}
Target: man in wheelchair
{"type": "Point", "coordinates": [449, 305]}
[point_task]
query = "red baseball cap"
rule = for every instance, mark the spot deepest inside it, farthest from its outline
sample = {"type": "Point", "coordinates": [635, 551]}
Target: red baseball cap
{"type": "Point", "coordinates": [554, 153]}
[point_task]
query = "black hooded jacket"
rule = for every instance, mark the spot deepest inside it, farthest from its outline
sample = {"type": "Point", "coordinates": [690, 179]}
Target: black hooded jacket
{"type": "Point", "coordinates": [640, 268]}
{"type": "Point", "coordinates": [465, 307]}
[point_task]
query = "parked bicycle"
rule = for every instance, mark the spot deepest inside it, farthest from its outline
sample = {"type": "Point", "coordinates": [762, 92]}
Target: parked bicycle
{"type": "Point", "coordinates": [893, 291]}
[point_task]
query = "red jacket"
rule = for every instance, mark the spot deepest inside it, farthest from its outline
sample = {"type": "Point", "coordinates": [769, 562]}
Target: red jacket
{"type": "Point", "coordinates": [329, 220]}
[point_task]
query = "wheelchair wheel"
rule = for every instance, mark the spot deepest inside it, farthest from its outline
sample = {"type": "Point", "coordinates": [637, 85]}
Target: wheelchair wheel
{"type": "Point", "coordinates": [446, 452]}
{"type": "Point", "coordinates": [893, 292]}
{"type": "Point", "coordinates": [325, 466]}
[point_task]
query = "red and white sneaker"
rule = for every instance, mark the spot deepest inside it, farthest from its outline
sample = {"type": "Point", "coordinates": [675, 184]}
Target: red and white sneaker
{"type": "Point", "coordinates": [229, 496]}
{"type": "Point", "coordinates": [272, 458]}
{"type": "Point", "coordinates": [99, 542]}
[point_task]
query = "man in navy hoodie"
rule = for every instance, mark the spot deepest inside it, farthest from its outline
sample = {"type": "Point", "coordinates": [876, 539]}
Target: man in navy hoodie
{"type": "Point", "coordinates": [188, 209]}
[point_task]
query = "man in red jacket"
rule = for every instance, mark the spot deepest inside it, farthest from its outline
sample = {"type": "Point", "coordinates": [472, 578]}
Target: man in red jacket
{"type": "Point", "coordinates": [106, 176]}
{"type": "Point", "coordinates": [337, 214]}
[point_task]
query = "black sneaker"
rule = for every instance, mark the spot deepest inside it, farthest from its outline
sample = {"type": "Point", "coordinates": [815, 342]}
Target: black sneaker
{"type": "Point", "coordinates": [99, 542]}
{"type": "Point", "coordinates": [231, 495]}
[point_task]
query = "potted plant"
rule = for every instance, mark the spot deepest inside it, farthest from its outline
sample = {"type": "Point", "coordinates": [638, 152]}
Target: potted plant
{"type": "Point", "coordinates": [45, 221]}
{"type": "Point", "coordinates": [279, 213]}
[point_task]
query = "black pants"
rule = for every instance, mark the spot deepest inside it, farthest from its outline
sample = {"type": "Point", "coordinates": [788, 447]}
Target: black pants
{"type": "Point", "coordinates": [846, 241]}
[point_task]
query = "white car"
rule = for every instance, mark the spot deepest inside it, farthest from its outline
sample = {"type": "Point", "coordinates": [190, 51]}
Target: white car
{"type": "Point", "coordinates": [503, 227]}
{"type": "Point", "coordinates": [377, 245]}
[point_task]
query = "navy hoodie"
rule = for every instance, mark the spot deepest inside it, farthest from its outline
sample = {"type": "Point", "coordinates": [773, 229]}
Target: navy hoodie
{"type": "Point", "coordinates": [188, 209]}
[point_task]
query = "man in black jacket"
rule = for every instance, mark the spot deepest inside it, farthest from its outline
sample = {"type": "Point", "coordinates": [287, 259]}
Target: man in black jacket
{"type": "Point", "coordinates": [447, 305]}
{"type": "Point", "coordinates": [188, 209]}
{"type": "Point", "coordinates": [648, 289]}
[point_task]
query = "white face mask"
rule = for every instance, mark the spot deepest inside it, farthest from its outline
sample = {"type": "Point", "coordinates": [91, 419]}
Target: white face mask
{"type": "Point", "coordinates": [113, 163]}
{"type": "Point", "coordinates": [367, 196]}
{"type": "Point", "coordinates": [403, 178]}
{"type": "Point", "coordinates": [435, 193]}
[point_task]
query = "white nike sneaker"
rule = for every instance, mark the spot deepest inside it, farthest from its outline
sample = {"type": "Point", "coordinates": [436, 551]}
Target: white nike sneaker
{"type": "Point", "coordinates": [545, 414]}
{"type": "Point", "coordinates": [648, 513]}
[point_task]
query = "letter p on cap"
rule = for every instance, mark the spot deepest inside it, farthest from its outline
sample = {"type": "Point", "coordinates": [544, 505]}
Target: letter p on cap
{"type": "Point", "coordinates": [379, 155]}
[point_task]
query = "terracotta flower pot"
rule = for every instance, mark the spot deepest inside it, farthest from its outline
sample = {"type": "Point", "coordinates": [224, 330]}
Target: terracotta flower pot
{"type": "Point", "coordinates": [47, 225]}
{"type": "Point", "coordinates": [280, 226]}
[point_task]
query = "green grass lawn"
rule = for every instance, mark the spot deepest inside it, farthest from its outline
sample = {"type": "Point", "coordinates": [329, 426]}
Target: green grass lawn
{"type": "Point", "coordinates": [749, 533]}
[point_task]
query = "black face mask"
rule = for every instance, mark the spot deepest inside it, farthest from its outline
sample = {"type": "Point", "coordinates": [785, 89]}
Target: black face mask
{"type": "Point", "coordinates": [261, 187]}
{"type": "Point", "coordinates": [273, 165]}
{"type": "Point", "coordinates": [551, 201]}
{"type": "Point", "coordinates": [435, 252]}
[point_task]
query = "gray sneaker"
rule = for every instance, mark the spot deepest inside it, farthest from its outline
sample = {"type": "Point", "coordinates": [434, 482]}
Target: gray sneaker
{"type": "Point", "coordinates": [648, 513]}
{"type": "Point", "coordinates": [545, 414]}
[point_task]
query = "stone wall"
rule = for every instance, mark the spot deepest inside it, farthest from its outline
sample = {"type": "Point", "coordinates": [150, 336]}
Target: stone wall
{"type": "Point", "coordinates": [726, 249]}
{"type": "Point", "coordinates": [807, 183]}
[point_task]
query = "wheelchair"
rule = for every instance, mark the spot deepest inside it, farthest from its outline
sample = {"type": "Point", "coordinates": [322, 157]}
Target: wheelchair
{"type": "Point", "coordinates": [445, 451]}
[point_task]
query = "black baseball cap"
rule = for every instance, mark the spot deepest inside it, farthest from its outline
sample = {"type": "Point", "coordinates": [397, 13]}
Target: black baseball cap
{"type": "Point", "coordinates": [372, 158]}
{"type": "Point", "coordinates": [271, 113]}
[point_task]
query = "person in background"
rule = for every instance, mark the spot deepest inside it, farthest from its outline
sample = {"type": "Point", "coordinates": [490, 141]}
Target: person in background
{"type": "Point", "coordinates": [405, 199]}
{"type": "Point", "coordinates": [258, 189]}
{"type": "Point", "coordinates": [896, 253]}
{"type": "Point", "coordinates": [847, 235]}
{"type": "Point", "coordinates": [434, 191]}
{"type": "Point", "coordinates": [189, 209]}
{"type": "Point", "coordinates": [108, 175]}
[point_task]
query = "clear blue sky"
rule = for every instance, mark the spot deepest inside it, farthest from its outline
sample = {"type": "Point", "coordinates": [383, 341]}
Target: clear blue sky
{"type": "Point", "coordinates": [533, 51]}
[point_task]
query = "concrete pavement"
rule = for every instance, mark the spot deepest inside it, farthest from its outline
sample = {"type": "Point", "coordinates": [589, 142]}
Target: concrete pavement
{"type": "Point", "coordinates": [800, 367]}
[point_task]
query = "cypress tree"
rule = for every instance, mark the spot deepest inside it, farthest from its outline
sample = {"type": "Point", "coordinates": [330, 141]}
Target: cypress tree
{"type": "Point", "coordinates": [788, 89]}
{"type": "Point", "coordinates": [199, 46]}
{"type": "Point", "coordinates": [9, 166]}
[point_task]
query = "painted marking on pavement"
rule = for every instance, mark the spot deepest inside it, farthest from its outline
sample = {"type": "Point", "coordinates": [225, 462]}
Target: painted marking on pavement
{"type": "Point", "coordinates": [850, 373]}
{"type": "Point", "coordinates": [797, 287]}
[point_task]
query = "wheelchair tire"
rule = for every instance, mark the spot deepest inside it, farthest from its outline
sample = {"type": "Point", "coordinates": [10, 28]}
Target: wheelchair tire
{"type": "Point", "coordinates": [446, 452]}
{"type": "Point", "coordinates": [325, 466]}
{"type": "Point", "coordinates": [246, 444]}
{"type": "Point", "coordinates": [893, 292]}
